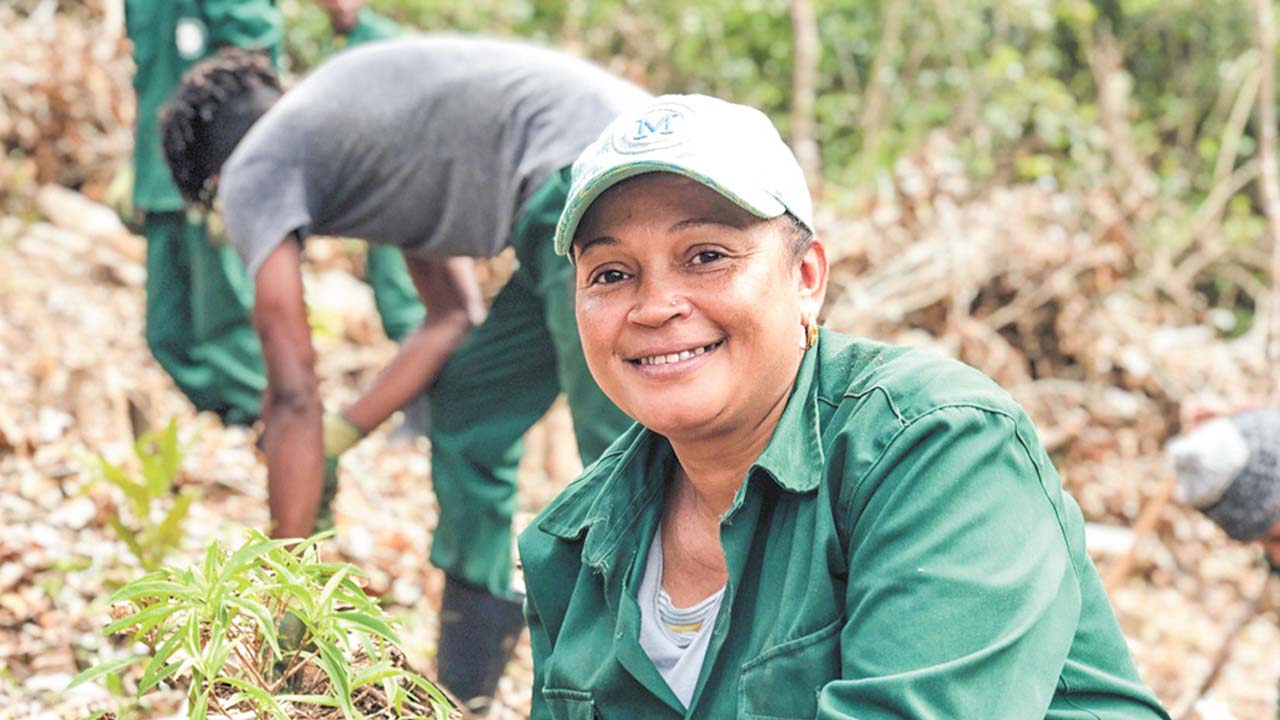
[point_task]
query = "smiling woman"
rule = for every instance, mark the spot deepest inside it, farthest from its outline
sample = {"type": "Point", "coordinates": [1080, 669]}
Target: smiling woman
{"type": "Point", "coordinates": [801, 524]}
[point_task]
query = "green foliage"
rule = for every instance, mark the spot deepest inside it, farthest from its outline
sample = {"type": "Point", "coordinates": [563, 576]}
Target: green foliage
{"type": "Point", "coordinates": [264, 627]}
{"type": "Point", "coordinates": [1088, 96]}
{"type": "Point", "coordinates": [1013, 78]}
{"type": "Point", "coordinates": [152, 527]}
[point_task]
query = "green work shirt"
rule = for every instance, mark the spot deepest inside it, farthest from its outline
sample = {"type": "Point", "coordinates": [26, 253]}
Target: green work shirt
{"type": "Point", "coordinates": [169, 36]}
{"type": "Point", "coordinates": [901, 549]}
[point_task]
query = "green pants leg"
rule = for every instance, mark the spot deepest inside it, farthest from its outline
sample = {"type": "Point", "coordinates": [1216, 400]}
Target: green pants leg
{"type": "Point", "coordinates": [198, 319]}
{"type": "Point", "coordinates": [597, 422]}
{"type": "Point", "coordinates": [393, 292]}
{"type": "Point", "coordinates": [498, 384]}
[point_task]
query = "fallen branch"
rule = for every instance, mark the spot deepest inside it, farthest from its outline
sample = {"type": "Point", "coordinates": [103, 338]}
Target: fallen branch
{"type": "Point", "coordinates": [1119, 570]}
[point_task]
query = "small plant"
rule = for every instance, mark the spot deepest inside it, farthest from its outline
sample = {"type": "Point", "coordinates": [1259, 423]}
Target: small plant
{"type": "Point", "coordinates": [271, 631]}
{"type": "Point", "coordinates": [154, 526]}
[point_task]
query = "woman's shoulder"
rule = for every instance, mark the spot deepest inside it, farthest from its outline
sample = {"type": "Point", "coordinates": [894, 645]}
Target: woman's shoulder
{"type": "Point", "coordinates": [908, 381]}
{"type": "Point", "coordinates": [569, 514]}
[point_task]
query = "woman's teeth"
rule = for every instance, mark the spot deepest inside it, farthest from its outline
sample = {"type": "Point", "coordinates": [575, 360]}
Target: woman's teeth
{"type": "Point", "coordinates": [675, 357]}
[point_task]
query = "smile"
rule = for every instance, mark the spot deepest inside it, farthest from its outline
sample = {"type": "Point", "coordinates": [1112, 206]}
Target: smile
{"type": "Point", "coordinates": [676, 356]}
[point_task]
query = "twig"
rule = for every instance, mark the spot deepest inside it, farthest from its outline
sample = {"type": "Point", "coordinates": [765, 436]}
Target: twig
{"type": "Point", "coordinates": [967, 116]}
{"type": "Point", "coordinates": [296, 663]}
{"type": "Point", "coordinates": [1266, 118]}
{"type": "Point", "coordinates": [879, 80]}
{"type": "Point", "coordinates": [804, 73]}
{"type": "Point", "coordinates": [1258, 604]}
{"type": "Point", "coordinates": [1236, 124]}
{"type": "Point", "coordinates": [1146, 522]}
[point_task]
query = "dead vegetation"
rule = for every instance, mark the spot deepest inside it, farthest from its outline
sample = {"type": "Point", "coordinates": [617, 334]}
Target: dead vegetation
{"type": "Point", "coordinates": [1108, 339]}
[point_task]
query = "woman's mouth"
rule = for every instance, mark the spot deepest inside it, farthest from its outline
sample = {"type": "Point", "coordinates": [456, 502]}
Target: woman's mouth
{"type": "Point", "coordinates": [674, 357]}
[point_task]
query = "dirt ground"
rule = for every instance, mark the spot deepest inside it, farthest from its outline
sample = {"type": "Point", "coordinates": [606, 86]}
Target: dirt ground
{"type": "Point", "coordinates": [1106, 341]}
{"type": "Point", "coordinates": [74, 367]}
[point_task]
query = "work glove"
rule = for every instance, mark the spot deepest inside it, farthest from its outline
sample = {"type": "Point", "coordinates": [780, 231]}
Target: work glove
{"type": "Point", "coordinates": [339, 435]}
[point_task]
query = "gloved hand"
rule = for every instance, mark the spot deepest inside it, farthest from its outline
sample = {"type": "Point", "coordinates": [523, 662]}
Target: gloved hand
{"type": "Point", "coordinates": [339, 435]}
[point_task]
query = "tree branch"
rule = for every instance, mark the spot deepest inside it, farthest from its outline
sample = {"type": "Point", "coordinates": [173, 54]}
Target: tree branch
{"type": "Point", "coordinates": [804, 74]}
{"type": "Point", "coordinates": [1266, 118]}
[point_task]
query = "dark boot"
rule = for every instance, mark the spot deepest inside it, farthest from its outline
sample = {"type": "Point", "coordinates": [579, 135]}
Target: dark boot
{"type": "Point", "coordinates": [478, 632]}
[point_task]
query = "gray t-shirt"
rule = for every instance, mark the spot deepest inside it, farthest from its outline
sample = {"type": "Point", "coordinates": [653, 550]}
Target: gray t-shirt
{"type": "Point", "coordinates": [675, 639]}
{"type": "Point", "coordinates": [432, 144]}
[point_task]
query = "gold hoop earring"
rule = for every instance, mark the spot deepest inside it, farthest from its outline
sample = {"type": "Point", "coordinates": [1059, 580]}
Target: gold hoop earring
{"type": "Point", "coordinates": [810, 332]}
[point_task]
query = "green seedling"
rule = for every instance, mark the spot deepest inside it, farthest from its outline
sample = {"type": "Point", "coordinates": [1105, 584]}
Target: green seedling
{"type": "Point", "coordinates": [153, 525]}
{"type": "Point", "coordinates": [270, 630]}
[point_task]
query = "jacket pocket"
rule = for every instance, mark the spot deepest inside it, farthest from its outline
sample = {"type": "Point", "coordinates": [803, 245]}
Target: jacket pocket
{"type": "Point", "coordinates": [783, 682]}
{"type": "Point", "coordinates": [569, 704]}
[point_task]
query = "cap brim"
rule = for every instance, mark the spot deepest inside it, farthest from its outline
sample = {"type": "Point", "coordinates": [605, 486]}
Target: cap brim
{"type": "Point", "coordinates": [752, 199]}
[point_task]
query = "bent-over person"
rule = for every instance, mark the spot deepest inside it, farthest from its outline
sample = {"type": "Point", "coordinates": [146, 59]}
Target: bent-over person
{"type": "Point", "coordinates": [447, 148]}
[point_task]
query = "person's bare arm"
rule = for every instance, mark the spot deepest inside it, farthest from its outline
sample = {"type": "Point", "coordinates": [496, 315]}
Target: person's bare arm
{"type": "Point", "coordinates": [451, 294]}
{"type": "Point", "coordinates": [292, 410]}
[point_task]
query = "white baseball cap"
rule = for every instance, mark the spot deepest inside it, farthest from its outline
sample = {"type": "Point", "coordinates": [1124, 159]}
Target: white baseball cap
{"type": "Point", "coordinates": [732, 149]}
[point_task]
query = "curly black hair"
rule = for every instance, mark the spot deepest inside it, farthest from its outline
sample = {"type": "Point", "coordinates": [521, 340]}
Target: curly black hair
{"type": "Point", "coordinates": [217, 103]}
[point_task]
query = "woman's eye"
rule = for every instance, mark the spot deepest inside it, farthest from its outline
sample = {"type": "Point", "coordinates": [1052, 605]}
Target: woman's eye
{"type": "Point", "coordinates": [608, 277]}
{"type": "Point", "coordinates": [706, 256]}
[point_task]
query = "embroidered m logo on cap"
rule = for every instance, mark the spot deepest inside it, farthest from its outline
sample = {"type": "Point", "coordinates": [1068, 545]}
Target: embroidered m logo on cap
{"type": "Point", "coordinates": [661, 127]}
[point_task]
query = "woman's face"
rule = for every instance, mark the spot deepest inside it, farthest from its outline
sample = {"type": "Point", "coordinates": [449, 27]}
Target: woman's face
{"type": "Point", "coordinates": [690, 308]}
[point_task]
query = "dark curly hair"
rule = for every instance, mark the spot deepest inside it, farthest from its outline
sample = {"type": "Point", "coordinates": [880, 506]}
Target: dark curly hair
{"type": "Point", "coordinates": [217, 103]}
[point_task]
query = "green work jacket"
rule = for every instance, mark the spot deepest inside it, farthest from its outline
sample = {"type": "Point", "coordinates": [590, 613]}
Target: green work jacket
{"type": "Point", "coordinates": [901, 549]}
{"type": "Point", "coordinates": [169, 36]}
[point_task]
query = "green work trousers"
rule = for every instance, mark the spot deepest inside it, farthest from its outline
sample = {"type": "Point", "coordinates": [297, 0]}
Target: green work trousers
{"type": "Point", "coordinates": [393, 292]}
{"type": "Point", "coordinates": [503, 378]}
{"type": "Point", "coordinates": [198, 305]}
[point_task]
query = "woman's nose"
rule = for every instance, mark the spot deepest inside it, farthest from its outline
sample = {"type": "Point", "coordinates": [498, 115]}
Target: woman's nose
{"type": "Point", "coordinates": [657, 304]}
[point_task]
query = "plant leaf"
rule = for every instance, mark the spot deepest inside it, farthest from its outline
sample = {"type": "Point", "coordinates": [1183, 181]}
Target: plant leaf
{"type": "Point", "coordinates": [134, 492]}
{"type": "Point", "coordinates": [247, 555]}
{"type": "Point", "coordinates": [168, 534]}
{"type": "Point", "coordinates": [149, 586]}
{"type": "Point", "coordinates": [163, 673]}
{"type": "Point", "coordinates": [368, 622]}
{"type": "Point", "coordinates": [93, 673]}
{"type": "Point", "coordinates": [308, 543]}
{"type": "Point", "coordinates": [326, 595]}
{"type": "Point", "coordinates": [199, 709]}
{"type": "Point", "coordinates": [161, 458]}
{"type": "Point", "coordinates": [130, 538]}
{"type": "Point", "coordinates": [441, 703]}
{"type": "Point", "coordinates": [375, 673]}
{"type": "Point", "coordinates": [263, 617]}
{"type": "Point", "coordinates": [211, 556]}
{"type": "Point", "coordinates": [320, 700]}
{"type": "Point", "coordinates": [142, 617]}
{"type": "Point", "coordinates": [259, 696]}
{"type": "Point", "coordinates": [156, 670]}
{"type": "Point", "coordinates": [334, 665]}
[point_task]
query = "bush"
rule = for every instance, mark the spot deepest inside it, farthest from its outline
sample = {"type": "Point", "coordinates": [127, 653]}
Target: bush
{"type": "Point", "coordinates": [270, 630]}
